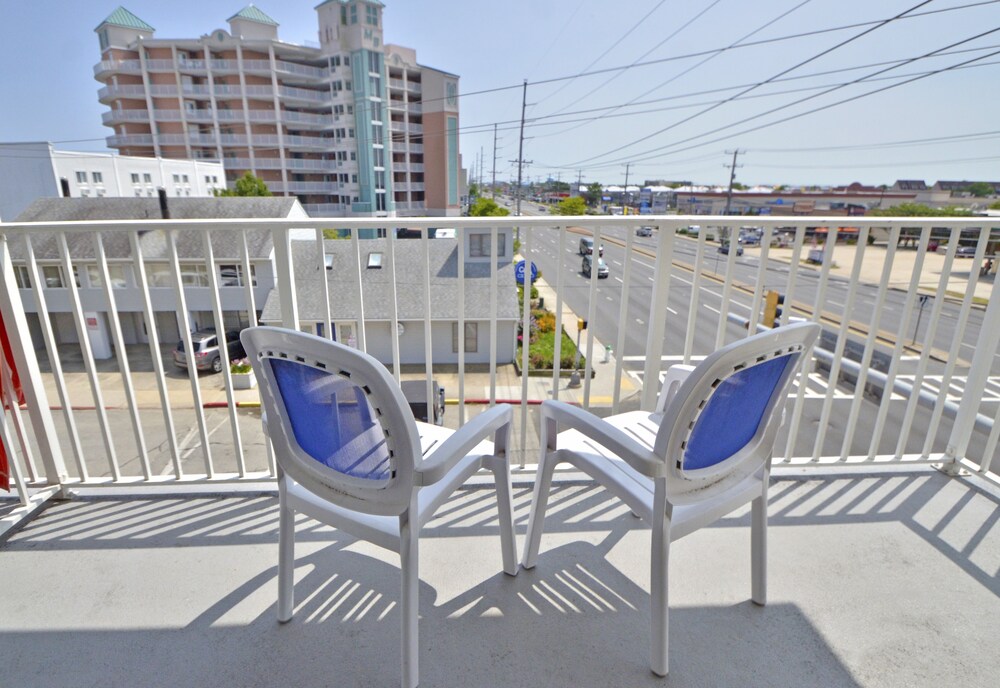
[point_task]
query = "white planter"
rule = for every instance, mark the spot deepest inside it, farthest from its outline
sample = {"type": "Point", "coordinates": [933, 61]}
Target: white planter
{"type": "Point", "coordinates": [244, 380]}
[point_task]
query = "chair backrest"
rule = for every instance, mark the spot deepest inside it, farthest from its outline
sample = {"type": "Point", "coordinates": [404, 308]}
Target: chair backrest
{"type": "Point", "coordinates": [721, 424]}
{"type": "Point", "coordinates": [337, 420]}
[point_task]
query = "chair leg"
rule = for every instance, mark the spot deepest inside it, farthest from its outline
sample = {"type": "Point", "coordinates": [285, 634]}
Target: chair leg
{"type": "Point", "coordinates": [539, 501]}
{"type": "Point", "coordinates": [409, 598]}
{"type": "Point", "coordinates": [286, 562]}
{"type": "Point", "coordinates": [758, 550]}
{"type": "Point", "coordinates": [505, 508]}
{"type": "Point", "coordinates": [659, 583]}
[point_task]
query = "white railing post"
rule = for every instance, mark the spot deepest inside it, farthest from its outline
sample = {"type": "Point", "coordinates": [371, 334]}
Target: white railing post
{"type": "Point", "coordinates": [30, 376]}
{"type": "Point", "coordinates": [285, 273]}
{"type": "Point", "coordinates": [979, 371]}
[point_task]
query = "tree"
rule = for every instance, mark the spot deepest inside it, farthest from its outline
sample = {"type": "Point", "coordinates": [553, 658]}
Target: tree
{"type": "Point", "coordinates": [980, 189]}
{"type": "Point", "coordinates": [919, 210]}
{"type": "Point", "coordinates": [571, 206]}
{"type": "Point", "coordinates": [995, 206]}
{"type": "Point", "coordinates": [247, 185]}
{"type": "Point", "coordinates": [486, 207]}
{"type": "Point", "coordinates": [593, 194]}
{"type": "Point", "coordinates": [473, 190]}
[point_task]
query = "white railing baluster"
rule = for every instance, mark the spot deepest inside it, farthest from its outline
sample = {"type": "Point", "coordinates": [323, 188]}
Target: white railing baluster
{"type": "Point", "coordinates": [393, 305]}
{"type": "Point", "coordinates": [20, 430]}
{"type": "Point", "coordinates": [758, 292]}
{"type": "Point", "coordinates": [657, 319]}
{"type": "Point", "coordinates": [248, 280]}
{"type": "Point", "coordinates": [460, 335]}
{"type": "Point", "coordinates": [824, 281]}
{"type": "Point", "coordinates": [494, 307]}
{"type": "Point", "coordinates": [975, 384]}
{"type": "Point", "coordinates": [428, 333]}
{"type": "Point", "coordinates": [557, 354]}
{"type": "Point", "coordinates": [360, 322]}
{"type": "Point", "coordinates": [122, 356]}
{"type": "Point", "coordinates": [88, 355]}
{"type": "Point", "coordinates": [525, 335]}
{"type": "Point", "coordinates": [184, 323]}
{"type": "Point", "coordinates": [153, 338]}
{"type": "Point", "coordinates": [925, 353]}
{"type": "Point", "coordinates": [990, 451]}
{"type": "Point", "coordinates": [220, 333]}
{"type": "Point", "coordinates": [55, 362]}
{"type": "Point", "coordinates": [953, 353]}
{"type": "Point", "coordinates": [7, 442]}
{"type": "Point", "coordinates": [324, 289]}
{"type": "Point", "coordinates": [623, 318]}
{"type": "Point", "coordinates": [904, 326]}
{"type": "Point", "coordinates": [595, 260]}
{"type": "Point", "coordinates": [695, 300]}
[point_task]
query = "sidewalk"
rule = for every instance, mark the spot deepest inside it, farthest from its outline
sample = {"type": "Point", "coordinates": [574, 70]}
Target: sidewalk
{"type": "Point", "coordinates": [901, 273]}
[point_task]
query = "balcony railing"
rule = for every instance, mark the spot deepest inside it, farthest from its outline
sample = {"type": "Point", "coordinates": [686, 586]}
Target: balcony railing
{"type": "Point", "coordinates": [897, 378]}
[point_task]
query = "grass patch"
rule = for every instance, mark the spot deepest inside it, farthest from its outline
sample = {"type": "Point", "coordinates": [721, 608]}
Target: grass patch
{"type": "Point", "coordinates": [541, 352]}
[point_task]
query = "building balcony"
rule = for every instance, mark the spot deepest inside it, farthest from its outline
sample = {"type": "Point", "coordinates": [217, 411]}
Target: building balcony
{"type": "Point", "coordinates": [305, 187]}
{"type": "Point", "coordinates": [326, 209]}
{"type": "Point", "coordinates": [883, 504]}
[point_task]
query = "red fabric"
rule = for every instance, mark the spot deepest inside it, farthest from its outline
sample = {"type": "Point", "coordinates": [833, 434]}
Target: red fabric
{"type": "Point", "coordinates": [8, 355]}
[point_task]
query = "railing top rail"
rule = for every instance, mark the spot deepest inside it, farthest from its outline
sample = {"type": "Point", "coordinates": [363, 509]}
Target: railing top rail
{"type": "Point", "coordinates": [585, 222]}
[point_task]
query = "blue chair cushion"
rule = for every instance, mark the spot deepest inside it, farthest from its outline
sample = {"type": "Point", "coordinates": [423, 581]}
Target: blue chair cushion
{"type": "Point", "coordinates": [332, 420]}
{"type": "Point", "coordinates": [733, 414]}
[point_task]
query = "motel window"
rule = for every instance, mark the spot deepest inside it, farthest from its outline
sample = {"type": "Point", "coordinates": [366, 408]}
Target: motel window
{"type": "Point", "coordinates": [479, 245]}
{"type": "Point", "coordinates": [118, 276]}
{"type": "Point", "coordinates": [471, 337]}
{"type": "Point", "coordinates": [22, 276]}
{"type": "Point", "coordinates": [81, 177]}
{"type": "Point", "coordinates": [135, 177]}
{"type": "Point", "coordinates": [148, 178]}
{"type": "Point", "coordinates": [231, 275]}
{"type": "Point", "coordinates": [98, 177]}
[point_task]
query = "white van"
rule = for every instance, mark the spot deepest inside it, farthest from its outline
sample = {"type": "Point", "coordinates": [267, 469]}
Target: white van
{"type": "Point", "coordinates": [444, 233]}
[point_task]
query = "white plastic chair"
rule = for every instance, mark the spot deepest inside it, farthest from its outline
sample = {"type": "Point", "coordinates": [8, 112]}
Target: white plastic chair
{"type": "Point", "coordinates": [351, 455]}
{"type": "Point", "coordinates": [703, 453]}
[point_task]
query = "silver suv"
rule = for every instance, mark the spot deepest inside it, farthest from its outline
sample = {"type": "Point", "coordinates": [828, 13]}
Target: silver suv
{"type": "Point", "coordinates": [206, 350]}
{"type": "Point", "coordinates": [602, 267]}
{"type": "Point", "coordinates": [587, 247]}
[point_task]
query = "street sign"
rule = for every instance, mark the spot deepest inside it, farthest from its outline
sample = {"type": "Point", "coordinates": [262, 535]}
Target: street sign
{"type": "Point", "coordinates": [519, 272]}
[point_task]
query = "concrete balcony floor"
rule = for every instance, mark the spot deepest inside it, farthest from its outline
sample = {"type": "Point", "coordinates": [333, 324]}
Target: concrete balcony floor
{"type": "Point", "coordinates": [875, 580]}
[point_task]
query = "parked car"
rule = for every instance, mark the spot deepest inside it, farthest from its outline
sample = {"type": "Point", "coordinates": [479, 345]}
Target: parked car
{"type": "Point", "coordinates": [724, 249]}
{"type": "Point", "coordinates": [206, 350]}
{"type": "Point", "coordinates": [602, 267]}
{"type": "Point", "coordinates": [587, 247]}
{"type": "Point", "coordinates": [644, 231]}
{"type": "Point", "coordinates": [965, 251]}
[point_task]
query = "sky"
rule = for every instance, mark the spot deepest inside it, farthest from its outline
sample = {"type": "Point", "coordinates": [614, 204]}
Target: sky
{"type": "Point", "coordinates": [822, 92]}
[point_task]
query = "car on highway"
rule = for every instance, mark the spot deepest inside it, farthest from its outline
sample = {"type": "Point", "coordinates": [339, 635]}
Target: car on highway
{"type": "Point", "coordinates": [965, 251]}
{"type": "Point", "coordinates": [587, 247]}
{"type": "Point", "coordinates": [724, 249]}
{"type": "Point", "coordinates": [602, 267]}
{"type": "Point", "coordinates": [206, 350]}
{"type": "Point", "coordinates": [644, 232]}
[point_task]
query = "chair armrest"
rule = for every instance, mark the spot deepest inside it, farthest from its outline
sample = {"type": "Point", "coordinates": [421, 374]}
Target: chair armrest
{"type": "Point", "coordinates": [437, 465]}
{"type": "Point", "coordinates": [628, 449]}
{"type": "Point", "coordinates": [672, 381]}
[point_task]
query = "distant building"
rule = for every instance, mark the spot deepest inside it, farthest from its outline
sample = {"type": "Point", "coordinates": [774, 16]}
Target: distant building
{"type": "Point", "coordinates": [226, 245]}
{"type": "Point", "coordinates": [352, 127]}
{"type": "Point", "coordinates": [33, 170]}
{"type": "Point", "coordinates": [341, 270]}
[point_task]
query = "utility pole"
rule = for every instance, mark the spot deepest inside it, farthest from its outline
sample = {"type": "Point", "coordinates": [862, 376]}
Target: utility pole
{"type": "Point", "coordinates": [732, 178]}
{"type": "Point", "coordinates": [494, 185]}
{"type": "Point", "coordinates": [481, 161]}
{"type": "Point", "coordinates": [625, 192]}
{"type": "Point", "coordinates": [520, 153]}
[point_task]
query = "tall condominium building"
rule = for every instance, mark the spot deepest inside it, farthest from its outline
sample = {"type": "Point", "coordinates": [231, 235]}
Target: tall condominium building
{"type": "Point", "coordinates": [351, 127]}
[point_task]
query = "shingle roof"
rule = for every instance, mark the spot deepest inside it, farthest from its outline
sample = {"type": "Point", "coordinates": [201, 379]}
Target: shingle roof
{"type": "Point", "coordinates": [225, 243]}
{"type": "Point", "coordinates": [251, 13]}
{"type": "Point", "coordinates": [122, 17]}
{"type": "Point", "coordinates": [342, 284]}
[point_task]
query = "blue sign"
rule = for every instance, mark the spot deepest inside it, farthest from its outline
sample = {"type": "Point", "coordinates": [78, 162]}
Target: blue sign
{"type": "Point", "coordinates": [519, 272]}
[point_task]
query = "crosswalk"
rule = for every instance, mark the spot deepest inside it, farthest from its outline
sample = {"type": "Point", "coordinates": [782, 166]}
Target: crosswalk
{"type": "Point", "coordinates": [817, 386]}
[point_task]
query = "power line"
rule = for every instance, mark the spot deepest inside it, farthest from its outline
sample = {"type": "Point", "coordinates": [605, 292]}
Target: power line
{"type": "Point", "coordinates": [783, 72]}
{"type": "Point", "coordinates": [689, 69]}
{"type": "Point", "coordinates": [817, 109]}
{"type": "Point", "coordinates": [638, 59]}
{"type": "Point", "coordinates": [701, 53]}
{"type": "Point", "coordinates": [601, 56]}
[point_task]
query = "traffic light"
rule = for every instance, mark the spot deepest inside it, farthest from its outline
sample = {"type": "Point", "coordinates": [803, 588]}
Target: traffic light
{"type": "Point", "coordinates": [581, 324]}
{"type": "Point", "coordinates": [772, 314]}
